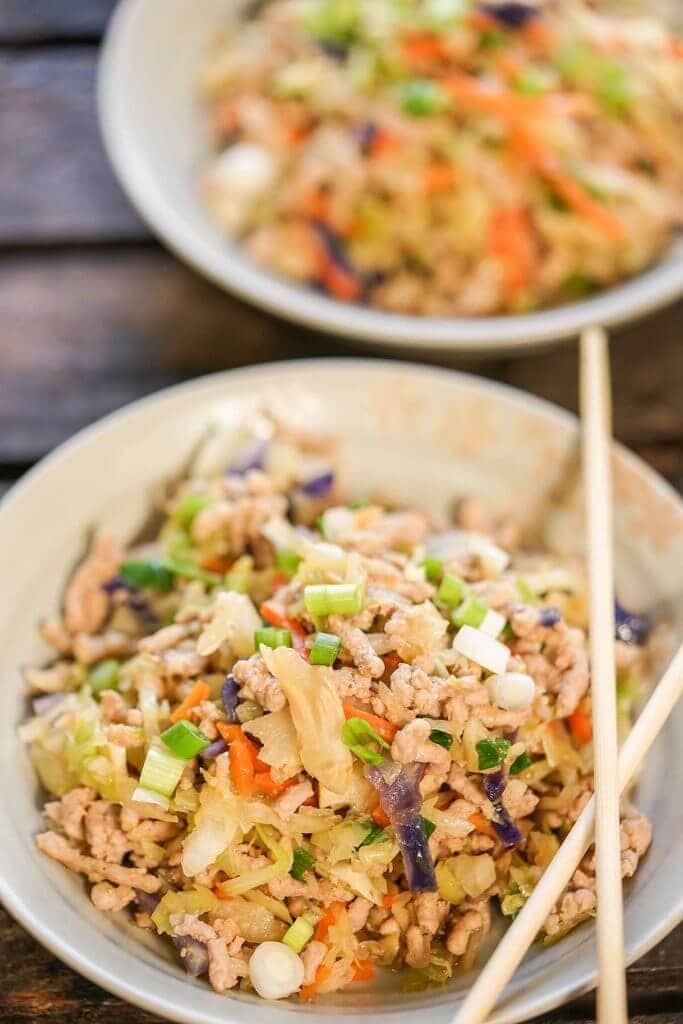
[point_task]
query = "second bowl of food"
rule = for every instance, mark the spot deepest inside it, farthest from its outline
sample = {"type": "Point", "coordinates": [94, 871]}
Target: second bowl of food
{"type": "Point", "coordinates": [441, 173]}
{"type": "Point", "coordinates": [310, 695]}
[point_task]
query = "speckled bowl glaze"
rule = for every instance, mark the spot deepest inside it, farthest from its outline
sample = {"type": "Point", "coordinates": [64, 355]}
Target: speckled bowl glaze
{"type": "Point", "coordinates": [415, 434]}
{"type": "Point", "coordinates": [156, 135]}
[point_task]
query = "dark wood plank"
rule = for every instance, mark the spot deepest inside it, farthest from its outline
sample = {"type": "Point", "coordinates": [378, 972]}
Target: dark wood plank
{"type": "Point", "coordinates": [86, 331]}
{"type": "Point", "coordinates": [39, 21]}
{"type": "Point", "coordinates": [56, 182]}
{"type": "Point", "coordinates": [39, 987]}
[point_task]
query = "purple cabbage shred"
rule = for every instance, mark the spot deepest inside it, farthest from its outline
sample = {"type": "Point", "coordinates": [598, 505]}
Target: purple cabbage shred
{"type": "Point", "coordinates": [252, 456]}
{"type": "Point", "coordinates": [134, 600]}
{"type": "Point", "coordinates": [512, 14]}
{"type": "Point", "coordinates": [193, 953]}
{"type": "Point", "coordinates": [366, 133]}
{"type": "Point", "coordinates": [549, 616]}
{"type": "Point", "coordinates": [213, 751]}
{"type": "Point", "coordinates": [399, 796]}
{"type": "Point", "coordinates": [337, 51]}
{"type": "Point", "coordinates": [318, 486]}
{"type": "Point", "coordinates": [147, 901]}
{"type": "Point", "coordinates": [631, 628]}
{"type": "Point", "coordinates": [230, 696]}
{"type": "Point", "coordinates": [505, 828]}
{"type": "Point", "coordinates": [494, 784]}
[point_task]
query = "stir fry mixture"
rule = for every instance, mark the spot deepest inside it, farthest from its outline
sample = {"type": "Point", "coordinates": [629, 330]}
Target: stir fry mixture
{"type": "Point", "coordinates": [307, 740]}
{"type": "Point", "coordinates": [447, 157]}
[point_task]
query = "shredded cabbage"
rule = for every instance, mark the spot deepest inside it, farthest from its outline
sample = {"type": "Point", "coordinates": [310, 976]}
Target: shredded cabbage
{"type": "Point", "coordinates": [465, 875]}
{"type": "Point", "coordinates": [234, 619]}
{"type": "Point", "coordinates": [256, 923]}
{"type": "Point", "coordinates": [280, 744]}
{"type": "Point", "coordinates": [199, 900]}
{"type": "Point", "coordinates": [218, 820]}
{"type": "Point", "coordinates": [360, 796]}
{"type": "Point", "coordinates": [317, 714]}
{"type": "Point", "coordinates": [282, 852]}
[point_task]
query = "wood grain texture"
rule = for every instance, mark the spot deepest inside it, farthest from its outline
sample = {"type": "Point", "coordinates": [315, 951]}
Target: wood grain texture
{"type": "Point", "coordinates": [39, 21]}
{"type": "Point", "coordinates": [86, 331]}
{"type": "Point", "coordinates": [57, 185]}
{"type": "Point", "coordinates": [42, 988]}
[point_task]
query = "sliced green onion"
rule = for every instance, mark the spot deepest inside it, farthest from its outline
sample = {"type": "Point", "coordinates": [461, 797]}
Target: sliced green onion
{"type": "Point", "coordinates": [520, 764]}
{"type": "Point", "coordinates": [429, 827]}
{"type": "Point", "coordinates": [422, 97]}
{"type": "Point", "coordinates": [148, 573]}
{"type": "Point", "coordinates": [104, 676]}
{"type": "Point", "coordinates": [161, 771]}
{"type": "Point", "coordinates": [527, 593]}
{"type": "Point", "coordinates": [298, 934]}
{"type": "Point", "coordinates": [375, 833]}
{"type": "Point", "coordinates": [442, 738]}
{"type": "Point", "coordinates": [471, 612]}
{"type": "Point", "coordinates": [358, 503]}
{"type": "Point", "coordinates": [287, 560]}
{"type": "Point", "coordinates": [301, 863]}
{"type": "Point", "coordinates": [189, 508]}
{"type": "Point", "coordinates": [358, 734]}
{"type": "Point", "coordinates": [491, 753]}
{"type": "Point", "coordinates": [451, 591]}
{"type": "Point", "coordinates": [272, 637]}
{"type": "Point", "coordinates": [433, 568]}
{"type": "Point", "coordinates": [491, 40]}
{"type": "Point", "coordinates": [333, 598]}
{"type": "Point", "coordinates": [237, 581]}
{"type": "Point", "coordinates": [192, 572]}
{"type": "Point", "coordinates": [149, 796]}
{"type": "Point", "coordinates": [325, 649]}
{"type": "Point", "coordinates": [184, 739]}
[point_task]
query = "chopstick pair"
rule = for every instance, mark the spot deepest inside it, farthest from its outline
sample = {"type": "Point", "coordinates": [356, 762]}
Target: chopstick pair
{"type": "Point", "coordinates": [613, 769]}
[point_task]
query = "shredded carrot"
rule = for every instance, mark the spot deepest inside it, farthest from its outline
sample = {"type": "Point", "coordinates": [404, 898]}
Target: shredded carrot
{"type": "Point", "coordinates": [380, 817]}
{"type": "Point", "coordinates": [217, 564]}
{"type": "Point", "coordinates": [391, 662]}
{"type": "Point", "coordinates": [389, 900]}
{"type": "Point", "coordinates": [573, 193]}
{"type": "Point", "coordinates": [219, 894]}
{"type": "Point", "coordinates": [241, 768]}
{"type": "Point", "coordinates": [383, 144]}
{"type": "Point", "coordinates": [482, 824]}
{"type": "Point", "coordinates": [381, 726]}
{"type": "Point", "coordinates": [676, 48]}
{"type": "Point", "coordinates": [338, 281]}
{"type": "Point", "coordinates": [266, 784]}
{"type": "Point", "coordinates": [538, 35]}
{"type": "Point", "coordinates": [508, 66]}
{"type": "Point", "coordinates": [438, 178]}
{"type": "Point", "coordinates": [581, 726]}
{"type": "Point", "coordinates": [275, 614]}
{"type": "Point", "coordinates": [481, 21]}
{"type": "Point", "coordinates": [363, 970]}
{"type": "Point", "coordinates": [321, 975]}
{"type": "Point", "coordinates": [199, 692]}
{"type": "Point", "coordinates": [471, 95]}
{"type": "Point", "coordinates": [329, 918]}
{"type": "Point", "coordinates": [423, 48]}
{"type": "Point", "coordinates": [511, 242]}
{"type": "Point", "coordinates": [235, 734]}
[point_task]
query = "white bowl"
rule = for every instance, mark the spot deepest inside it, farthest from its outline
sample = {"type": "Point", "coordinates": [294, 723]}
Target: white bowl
{"type": "Point", "coordinates": [416, 434]}
{"type": "Point", "coordinates": [155, 134]}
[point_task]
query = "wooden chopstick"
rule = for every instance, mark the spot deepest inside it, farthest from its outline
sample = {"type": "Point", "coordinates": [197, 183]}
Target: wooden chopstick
{"type": "Point", "coordinates": [509, 952]}
{"type": "Point", "coordinates": [596, 420]}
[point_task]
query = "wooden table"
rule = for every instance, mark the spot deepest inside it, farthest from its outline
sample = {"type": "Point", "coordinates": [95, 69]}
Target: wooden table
{"type": "Point", "coordinates": [93, 313]}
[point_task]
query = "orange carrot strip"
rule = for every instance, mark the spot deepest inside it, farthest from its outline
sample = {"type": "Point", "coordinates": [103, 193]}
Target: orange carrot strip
{"type": "Point", "coordinates": [389, 900]}
{"type": "Point", "coordinates": [329, 918]}
{"type": "Point", "coordinates": [538, 35]}
{"type": "Point", "coordinates": [273, 613]}
{"type": "Point", "coordinates": [383, 144]}
{"type": "Point", "coordinates": [380, 817]}
{"type": "Point", "coordinates": [482, 824]}
{"type": "Point", "coordinates": [567, 187]}
{"type": "Point", "coordinates": [438, 178]}
{"type": "Point", "coordinates": [385, 729]}
{"type": "Point", "coordinates": [266, 784]}
{"type": "Point", "coordinates": [339, 282]}
{"type": "Point", "coordinates": [363, 970]}
{"type": "Point", "coordinates": [391, 662]}
{"type": "Point", "coordinates": [321, 975]}
{"type": "Point", "coordinates": [235, 734]}
{"type": "Point", "coordinates": [423, 48]}
{"type": "Point", "coordinates": [218, 564]}
{"type": "Point", "coordinates": [581, 726]}
{"type": "Point", "coordinates": [241, 768]}
{"type": "Point", "coordinates": [199, 692]}
{"type": "Point", "coordinates": [511, 242]}
{"type": "Point", "coordinates": [471, 95]}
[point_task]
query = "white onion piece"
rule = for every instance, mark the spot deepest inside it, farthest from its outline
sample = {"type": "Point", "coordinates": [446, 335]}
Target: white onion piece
{"type": "Point", "coordinates": [492, 623]}
{"type": "Point", "coordinates": [479, 647]}
{"type": "Point", "coordinates": [512, 691]}
{"type": "Point", "coordinates": [275, 970]}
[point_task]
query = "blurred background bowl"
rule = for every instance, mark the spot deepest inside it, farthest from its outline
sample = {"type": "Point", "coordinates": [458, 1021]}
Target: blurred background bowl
{"type": "Point", "coordinates": [157, 138]}
{"type": "Point", "coordinates": [417, 435]}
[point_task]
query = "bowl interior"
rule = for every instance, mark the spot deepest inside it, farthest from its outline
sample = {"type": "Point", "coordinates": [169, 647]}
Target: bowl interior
{"type": "Point", "coordinates": [415, 434]}
{"type": "Point", "coordinates": [156, 136]}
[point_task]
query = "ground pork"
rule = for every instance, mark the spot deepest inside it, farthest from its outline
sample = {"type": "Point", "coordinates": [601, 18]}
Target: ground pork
{"type": "Point", "coordinates": [389, 530]}
{"type": "Point", "coordinates": [636, 836]}
{"type": "Point", "coordinates": [412, 743]}
{"type": "Point", "coordinates": [182, 662]}
{"type": "Point", "coordinates": [567, 653]}
{"type": "Point", "coordinates": [110, 897]}
{"type": "Point", "coordinates": [89, 649]}
{"type": "Point", "coordinates": [59, 849]}
{"type": "Point", "coordinates": [86, 603]}
{"type": "Point", "coordinates": [124, 736]}
{"type": "Point", "coordinates": [460, 782]}
{"type": "Point", "coordinates": [69, 812]}
{"type": "Point", "coordinates": [258, 684]}
{"type": "Point", "coordinates": [292, 799]}
{"type": "Point", "coordinates": [54, 679]}
{"type": "Point", "coordinates": [355, 642]}
{"type": "Point", "coordinates": [466, 924]}
{"type": "Point", "coordinates": [418, 691]}
{"type": "Point", "coordinates": [430, 911]}
{"type": "Point", "coordinates": [418, 947]}
{"type": "Point", "coordinates": [418, 629]}
{"type": "Point", "coordinates": [572, 905]}
{"type": "Point", "coordinates": [163, 639]}
{"type": "Point", "coordinates": [350, 683]}
{"type": "Point", "coordinates": [55, 634]}
{"type": "Point", "coordinates": [205, 715]}
{"type": "Point", "coordinates": [358, 913]}
{"type": "Point", "coordinates": [312, 956]}
{"type": "Point", "coordinates": [518, 800]}
{"type": "Point", "coordinates": [237, 523]}
{"type": "Point", "coordinates": [103, 834]}
{"type": "Point", "coordinates": [113, 707]}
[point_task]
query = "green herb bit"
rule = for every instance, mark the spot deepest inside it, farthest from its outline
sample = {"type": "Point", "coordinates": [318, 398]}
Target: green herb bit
{"type": "Point", "coordinates": [429, 827]}
{"type": "Point", "coordinates": [148, 574]}
{"type": "Point", "coordinates": [491, 753]}
{"type": "Point", "coordinates": [520, 764]}
{"type": "Point", "coordinates": [442, 738]}
{"type": "Point", "coordinates": [423, 98]}
{"type": "Point", "coordinates": [358, 735]}
{"type": "Point", "coordinates": [189, 508]}
{"type": "Point", "coordinates": [301, 863]}
{"type": "Point", "coordinates": [374, 835]}
{"type": "Point", "coordinates": [104, 676]}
